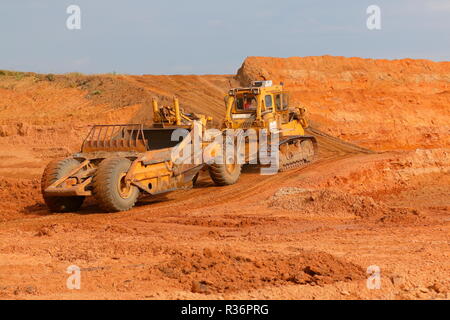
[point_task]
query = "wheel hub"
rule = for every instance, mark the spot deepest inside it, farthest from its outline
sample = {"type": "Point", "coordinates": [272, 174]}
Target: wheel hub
{"type": "Point", "coordinates": [123, 187]}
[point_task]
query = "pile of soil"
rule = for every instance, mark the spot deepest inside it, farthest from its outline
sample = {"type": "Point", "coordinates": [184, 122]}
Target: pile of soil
{"type": "Point", "coordinates": [216, 271]}
{"type": "Point", "coordinates": [18, 197]}
{"type": "Point", "coordinates": [336, 204]}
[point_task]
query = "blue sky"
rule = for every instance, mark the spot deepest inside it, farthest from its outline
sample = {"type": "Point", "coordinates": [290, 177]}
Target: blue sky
{"type": "Point", "coordinates": [201, 36]}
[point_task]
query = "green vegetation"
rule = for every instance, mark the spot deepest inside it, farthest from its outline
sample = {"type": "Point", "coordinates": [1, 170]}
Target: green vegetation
{"type": "Point", "coordinates": [16, 74]}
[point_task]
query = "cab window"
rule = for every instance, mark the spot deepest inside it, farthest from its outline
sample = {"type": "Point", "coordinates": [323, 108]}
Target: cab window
{"type": "Point", "coordinates": [278, 103]}
{"type": "Point", "coordinates": [285, 100]}
{"type": "Point", "coordinates": [246, 103]}
{"type": "Point", "coordinates": [240, 104]}
{"type": "Point", "coordinates": [268, 101]}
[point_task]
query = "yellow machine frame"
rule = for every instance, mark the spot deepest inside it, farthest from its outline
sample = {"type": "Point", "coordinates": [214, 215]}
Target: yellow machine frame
{"type": "Point", "coordinates": [265, 117]}
{"type": "Point", "coordinates": [152, 171]}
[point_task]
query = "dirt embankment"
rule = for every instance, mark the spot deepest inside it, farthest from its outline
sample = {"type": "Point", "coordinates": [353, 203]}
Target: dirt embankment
{"type": "Point", "coordinates": [380, 104]}
{"type": "Point", "coordinates": [32, 103]}
{"type": "Point", "coordinates": [47, 116]}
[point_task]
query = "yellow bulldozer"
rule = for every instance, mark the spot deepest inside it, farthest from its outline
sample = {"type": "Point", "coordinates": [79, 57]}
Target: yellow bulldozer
{"type": "Point", "coordinates": [119, 162]}
{"type": "Point", "coordinates": [264, 107]}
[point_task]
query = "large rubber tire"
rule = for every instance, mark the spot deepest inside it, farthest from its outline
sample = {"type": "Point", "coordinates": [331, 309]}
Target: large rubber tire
{"type": "Point", "coordinates": [56, 170]}
{"type": "Point", "coordinates": [225, 175]}
{"type": "Point", "coordinates": [110, 193]}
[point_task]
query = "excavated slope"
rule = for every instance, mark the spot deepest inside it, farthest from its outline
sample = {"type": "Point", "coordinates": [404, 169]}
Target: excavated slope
{"type": "Point", "coordinates": [379, 104]}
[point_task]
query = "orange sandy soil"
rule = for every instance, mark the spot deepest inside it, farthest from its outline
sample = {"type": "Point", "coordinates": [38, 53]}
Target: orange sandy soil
{"type": "Point", "coordinates": [310, 233]}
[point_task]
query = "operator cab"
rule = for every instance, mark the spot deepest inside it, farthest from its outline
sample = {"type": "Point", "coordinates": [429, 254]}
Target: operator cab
{"type": "Point", "coordinates": [246, 102]}
{"type": "Point", "coordinates": [261, 97]}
